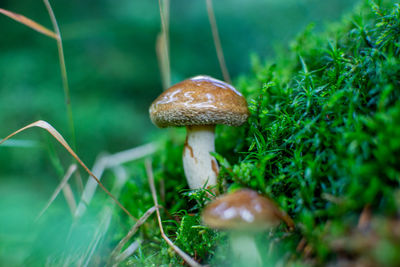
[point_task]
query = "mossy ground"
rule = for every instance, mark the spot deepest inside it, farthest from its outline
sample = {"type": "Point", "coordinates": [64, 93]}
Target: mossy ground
{"type": "Point", "coordinates": [323, 141]}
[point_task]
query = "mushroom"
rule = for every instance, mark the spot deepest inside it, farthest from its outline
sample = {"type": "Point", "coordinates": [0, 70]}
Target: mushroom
{"type": "Point", "coordinates": [244, 213]}
{"type": "Point", "coordinates": [199, 103]}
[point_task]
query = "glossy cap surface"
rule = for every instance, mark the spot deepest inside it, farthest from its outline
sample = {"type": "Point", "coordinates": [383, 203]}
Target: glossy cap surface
{"type": "Point", "coordinates": [243, 210]}
{"type": "Point", "coordinates": [201, 100]}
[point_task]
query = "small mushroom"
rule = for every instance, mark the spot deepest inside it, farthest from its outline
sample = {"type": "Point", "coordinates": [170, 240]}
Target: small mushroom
{"type": "Point", "coordinates": [199, 103]}
{"type": "Point", "coordinates": [244, 213]}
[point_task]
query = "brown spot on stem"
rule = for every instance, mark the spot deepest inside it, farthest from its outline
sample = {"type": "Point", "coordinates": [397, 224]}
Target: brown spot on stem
{"type": "Point", "coordinates": [214, 167]}
{"type": "Point", "coordinates": [188, 147]}
{"type": "Point", "coordinates": [365, 218]}
{"type": "Point", "coordinates": [190, 150]}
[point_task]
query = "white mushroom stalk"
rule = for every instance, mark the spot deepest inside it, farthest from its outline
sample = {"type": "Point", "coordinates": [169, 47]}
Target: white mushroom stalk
{"type": "Point", "coordinates": [244, 249]}
{"type": "Point", "coordinates": [201, 169]}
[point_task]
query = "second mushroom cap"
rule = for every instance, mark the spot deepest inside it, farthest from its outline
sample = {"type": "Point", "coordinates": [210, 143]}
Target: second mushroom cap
{"type": "Point", "coordinates": [244, 209]}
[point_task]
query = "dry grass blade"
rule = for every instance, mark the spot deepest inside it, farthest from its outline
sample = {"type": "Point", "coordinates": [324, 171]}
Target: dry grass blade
{"type": "Point", "coordinates": [91, 186]}
{"type": "Point", "coordinates": [28, 22]}
{"type": "Point", "coordinates": [130, 154]}
{"type": "Point", "coordinates": [162, 59]}
{"type": "Point", "coordinates": [63, 72]}
{"type": "Point", "coordinates": [67, 193]}
{"type": "Point", "coordinates": [114, 255]}
{"type": "Point", "coordinates": [217, 41]}
{"type": "Point", "coordinates": [127, 252]}
{"type": "Point", "coordinates": [182, 254]}
{"type": "Point", "coordinates": [107, 161]}
{"type": "Point", "coordinates": [60, 139]}
{"type": "Point", "coordinates": [64, 77]}
{"type": "Point", "coordinates": [162, 44]}
{"type": "Point", "coordinates": [105, 218]}
{"type": "Point", "coordinates": [69, 197]}
{"type": "Point", "coordinates": [56, 35]}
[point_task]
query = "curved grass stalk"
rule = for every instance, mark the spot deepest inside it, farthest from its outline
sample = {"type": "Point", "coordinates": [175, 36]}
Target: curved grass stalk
{"type": "Point", "coordinates": [63, 185]}
{"type": "Point", "coordinates": [46, 126]}
{"type": "Point", "coordinates": [64, 76]}
{"type": "Point", "coordinates": [63, 72]}
{"type": "Point", "coordinates": [191, 262]}
{"type": "Point", "coordinates": [116, 257]}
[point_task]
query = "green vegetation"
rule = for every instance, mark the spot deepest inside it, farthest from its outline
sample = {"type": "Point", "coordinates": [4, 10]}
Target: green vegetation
{"type": "Point", "coordinates": [323, 141]}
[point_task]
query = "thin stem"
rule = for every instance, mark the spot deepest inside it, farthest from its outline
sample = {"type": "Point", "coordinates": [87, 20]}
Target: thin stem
{"type": "Point", "coordinates": [164, 55]}
{"type": "Point", "coordinates": [78, 179]}
{"type": "Point", "coordinates": [131, 232]}
{"type": "Point", "coordinates": [66, 190]}
{"type": "Point", "coordinates": [182, 254]}
{"type": "Point", "coordinates": [217, 41]}
{"type": "Point", "coordinates": [63, 71]}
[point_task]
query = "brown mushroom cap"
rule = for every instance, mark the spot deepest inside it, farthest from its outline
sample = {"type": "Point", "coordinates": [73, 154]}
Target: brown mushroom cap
{"type": "Point", "coordinates": [243, 210]}
{"type": "Point", "coordinates": [201, 100]}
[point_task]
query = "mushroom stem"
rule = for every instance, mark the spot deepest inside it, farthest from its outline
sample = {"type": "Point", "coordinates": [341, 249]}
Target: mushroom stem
{"type": "Point", "coordinates": [200, 167]}
{"type": "Point", "coordinates": [244, 249]}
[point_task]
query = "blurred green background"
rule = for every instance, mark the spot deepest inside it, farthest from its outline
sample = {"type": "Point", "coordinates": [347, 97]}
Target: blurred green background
{"type": "Point", "coordinates": [112, 65]}
{"type": "Point", "coordinates": [114, 76]}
